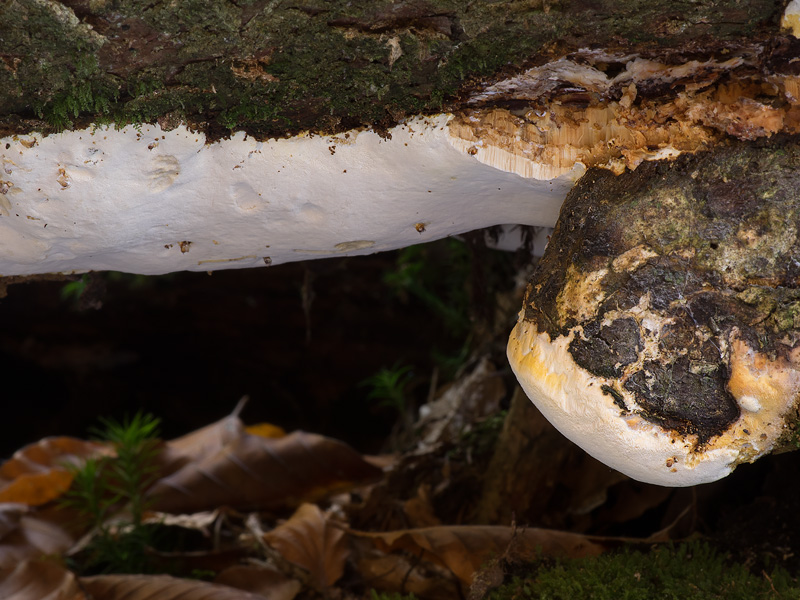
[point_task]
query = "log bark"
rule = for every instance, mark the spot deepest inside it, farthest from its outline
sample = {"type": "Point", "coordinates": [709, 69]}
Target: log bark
{"type": "Point", "coordinates": [272, 67]}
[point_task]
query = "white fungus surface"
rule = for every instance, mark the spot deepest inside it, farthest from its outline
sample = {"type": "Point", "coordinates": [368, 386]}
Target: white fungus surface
{"type": "Point", "coordinates": [791, 18]}
{"type": "Point", "coordinates": [572, 399]}
{"type": "Point", "coordinates": [152, 201]}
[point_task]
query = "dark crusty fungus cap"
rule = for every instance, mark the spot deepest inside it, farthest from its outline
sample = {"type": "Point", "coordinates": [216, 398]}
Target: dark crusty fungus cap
{"type": "Point", "coordinates": [661, 330]}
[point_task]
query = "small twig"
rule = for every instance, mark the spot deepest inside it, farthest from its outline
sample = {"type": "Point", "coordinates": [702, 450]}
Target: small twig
{"type": "Point", "coordinates": [768, 578]}
{"type": "Point", "coordinates": [433, 385]}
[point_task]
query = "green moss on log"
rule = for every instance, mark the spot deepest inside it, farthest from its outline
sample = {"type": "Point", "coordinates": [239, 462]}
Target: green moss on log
{"type": "Point", "coordinates": [272, 67]}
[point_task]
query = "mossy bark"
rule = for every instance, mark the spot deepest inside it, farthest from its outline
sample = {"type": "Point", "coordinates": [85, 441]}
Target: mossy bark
{"type": "Point", "coordinates": [273, 67]}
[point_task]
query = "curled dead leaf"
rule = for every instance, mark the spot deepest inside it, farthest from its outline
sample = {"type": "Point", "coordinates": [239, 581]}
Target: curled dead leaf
{"type": "Point", "coordinates": [36, 474]}
{"type": "Point", "coordinates": [406, 575]}
{"type": "Point", "coordinates": [33, 537]}
{"type": "Point", "coordinates": [39, 580]}
{"type": "Point", "coordinates": [252, 471]}
{"type": "Point", "coordinates": [309, 540]}
{"type": "Point", "coordinates": [159, 587]}
{"type": "Point", "coordinates": [260, 580]}
{"type": "Point", "coordinates": [200, 444]}
{"type": "Point", "coordinates": [10, 514]}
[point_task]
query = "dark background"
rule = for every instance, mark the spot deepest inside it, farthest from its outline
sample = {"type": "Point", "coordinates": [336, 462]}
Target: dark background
{"type": "Point", "coordinates": [187, 346]}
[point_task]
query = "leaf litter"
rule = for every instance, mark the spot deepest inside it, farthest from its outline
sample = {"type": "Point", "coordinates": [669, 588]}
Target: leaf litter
{"type": "Point", "coordinates": [255, 513]}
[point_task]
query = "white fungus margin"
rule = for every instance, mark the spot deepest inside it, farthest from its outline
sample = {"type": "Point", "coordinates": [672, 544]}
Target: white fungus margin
{"type": "Point", "coordinates": [145, 200]}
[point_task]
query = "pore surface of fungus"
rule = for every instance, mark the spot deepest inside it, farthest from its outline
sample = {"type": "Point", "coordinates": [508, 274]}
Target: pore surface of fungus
{"type": "Point", "coordinates": [660, 329]}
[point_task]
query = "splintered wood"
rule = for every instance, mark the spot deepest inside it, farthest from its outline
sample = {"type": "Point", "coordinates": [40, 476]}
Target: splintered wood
{"type": "Point", "coordinates": [576, 115]}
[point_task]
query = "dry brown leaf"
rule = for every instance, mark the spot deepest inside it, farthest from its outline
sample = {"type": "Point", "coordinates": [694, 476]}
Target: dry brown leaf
{"type": "Point", "coordinates": [464, 548]}
{"type": "Point", "coordinates": [252, 471]}
{"type": "Point", "coordinates": [419, 509]}
{"type": "Point", "coordinates": [36, 489]}
{"type": "Point", "coordinates": [27, 533]}
{"type": "Point", "coordinates": [39, 580]}
{"type": "Point", "coordinates": [200, 444]}
{"type": "Point", "coordinates": [10, 514]}
{"type": "Point", "coordinates": [260, 580]}
{"type": "Point", "coordinates": [32, 538]}
{"type": "Point", "coordinates": [160, 587]}
{"type": "Point", "coordinates": [36, 474]}
{"type": "Point", "coordinates": [395, 573]}
{"type": "Point", "coordinates": [310, 541]}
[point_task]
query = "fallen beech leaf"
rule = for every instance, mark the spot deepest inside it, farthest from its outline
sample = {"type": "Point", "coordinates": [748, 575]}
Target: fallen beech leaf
{"type": "Point", "coordinates": [199, 444]}
{"type": "Point", "coordinates": [159, 587]}
{"type": "Point", "coordinates": [464, 548]}
{"type": "Point", "coordinates": [39, 580]}
{"type": "Point", "coordinates": [36, 474]}
{"type": "Point", "coordinates": [419, 509]}
{"type": "Point", "coordinates": [395, 573]}
{"type": "Point", "coordinates": [260, 580]}
{"type": "Point", "coordinates": [251, 471]}
{"type": "Point", "coordinates": [310, 541]}
{"type": "Point", "coordinates": [10, 514]}
{"type": "Point", "coordinates": [32, 538]}
{"type": "Point", "coordinates": [37, 488]}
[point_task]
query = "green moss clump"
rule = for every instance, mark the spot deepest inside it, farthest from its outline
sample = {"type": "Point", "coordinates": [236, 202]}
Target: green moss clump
{"type": "Point", "coordinates": [691, 571]}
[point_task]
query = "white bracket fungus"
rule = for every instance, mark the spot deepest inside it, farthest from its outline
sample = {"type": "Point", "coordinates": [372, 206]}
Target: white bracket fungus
{"type": "Point", "coordinates": [152, 201]}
